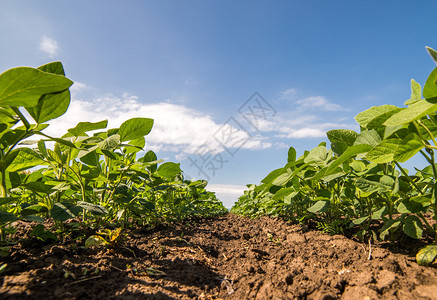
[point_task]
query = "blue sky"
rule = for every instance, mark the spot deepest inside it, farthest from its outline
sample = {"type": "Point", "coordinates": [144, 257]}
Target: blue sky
{"type": "Point", "coordinates": [192, 65]}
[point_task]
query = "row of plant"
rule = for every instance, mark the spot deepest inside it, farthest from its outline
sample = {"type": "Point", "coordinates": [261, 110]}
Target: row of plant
{"type": "Point", "coordinates": [359, 181]}
{"type": "Point", "coordinates": [96, 176]}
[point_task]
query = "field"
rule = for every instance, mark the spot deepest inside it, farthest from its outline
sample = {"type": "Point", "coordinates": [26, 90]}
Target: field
{"type": "Point", "coordinates": [229, 257]}
{"type": "Point", "coordinates": [93, 215]}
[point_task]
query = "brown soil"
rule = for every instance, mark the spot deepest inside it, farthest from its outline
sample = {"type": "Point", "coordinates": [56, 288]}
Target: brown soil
{"type": "Point", "coordinates": [228, 257]}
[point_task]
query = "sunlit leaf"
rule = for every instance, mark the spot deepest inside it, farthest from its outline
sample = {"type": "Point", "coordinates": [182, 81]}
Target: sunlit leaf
{"type": "Point", "coordinates": [24, 86]}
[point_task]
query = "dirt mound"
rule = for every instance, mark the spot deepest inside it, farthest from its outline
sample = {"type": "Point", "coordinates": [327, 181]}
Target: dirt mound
{"type": "Point", "coordinates": [229, 257]}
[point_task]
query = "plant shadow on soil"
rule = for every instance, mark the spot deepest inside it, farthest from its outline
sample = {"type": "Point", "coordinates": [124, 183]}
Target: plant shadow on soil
{"type": "Point", "coordinates": [230, 257]}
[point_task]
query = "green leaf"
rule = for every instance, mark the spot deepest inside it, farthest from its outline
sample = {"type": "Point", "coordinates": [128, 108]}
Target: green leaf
{"type": "Point", "coordinates": [50, 106]}
{"type": "Point", "coordinates": [95, 240]}
{"type": "Point", "coordinates": [169, 169]}
{"type": "Point", "coordinates": [286, 177]}
{"type": "Point", "coordinates": [413, 227]}
{"type": "Point", "coordinates": [320, 206]}
{"type": "Point", "coordinates": [63, 211]}
{"type": "Point", "coordinates": [416, 93]}
{"type": "Point", "coordinates": [413, 112]}
{"type": "Point", "coordinates": [427, 255]}
{"type": "Point", "coordinates": [291, 155]}
{"type": "Point", "coordinates": [55, 67]}
{"type": "Point", "coordinates": [375, 116]}
{"type": "Point", "coordinates": [135, 128]}
{"type": "Point", "coordinates": [26, 159]}
{"type": "Point", "coordinates": [409, 207]}
{"type": "Point", "coordinates": [377, 215]}
{"type": "Point", "coordinates": [384, 184]}
{"type": "Point", "coordinates": [7, 217]}
{"type": "Point", "coordinates": [33, 210]}
{"type": "Point", "coordinates": [389, 225]}
{"type": "Point", "coordinates": [282, 193]}
{"type": "Point", "coordinates": [135, 145]}
{"type": "Point", "coordinates": [91, 158]}
{"type": "Point", "coordinates": [348, 154]}
{"type": "Point", "coordinates": [150, 156]}
{"type": "Point", "coordinates": [6, 200]}
{"type": "Point", "coordinates": [317, 155]}
{"type": "Point", "coordinates": [432, 53]}
{"type": "Point", "coordinates": [384, 152]}
{"type": "Point", "coordinates": [24, 86]}
{"type": "Point", "coordinates": [410, 145]}
{"type": "Point", "coordinates": [38, 187]}
{"type": "Point", "coordinates": [430, 87]}
{"type": "Point", "coordinates": [83, 127]}
{"type": "Point", "coordinates": [93, 208]}
{"type": "Point", "coordinates": [41, 233]}
{"type": "Point", "coordinates": [273, 175]}
{"type": "Point", "coordinates": [341, 139]}
{"type": "Point", "coordinates": [110, 143]}
{"type": "Point", "coordinates": [360, 220]}
{"type": "Point", "coordinates": [368, 137]}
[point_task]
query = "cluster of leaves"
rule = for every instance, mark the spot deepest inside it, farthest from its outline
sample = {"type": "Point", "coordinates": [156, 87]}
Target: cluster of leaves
{"type": "Point", "coordinates": [359, 181]}
{"type": "Point", "coordinates": [98, 178]}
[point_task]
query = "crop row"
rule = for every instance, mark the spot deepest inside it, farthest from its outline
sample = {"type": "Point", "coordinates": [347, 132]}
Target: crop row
{"type": "Point", "coordinates": [100, 179]}
{"type": "Point", "coordinates": [359, 182]}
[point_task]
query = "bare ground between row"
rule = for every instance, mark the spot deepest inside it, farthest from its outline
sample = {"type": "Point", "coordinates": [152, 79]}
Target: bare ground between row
{"type": "Point", "coordinates": [226, 257]}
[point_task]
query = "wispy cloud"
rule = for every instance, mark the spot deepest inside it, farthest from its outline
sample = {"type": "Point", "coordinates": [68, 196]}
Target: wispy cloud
{"type": "Point", "coordinates": [318, 102]}
{"type": "Point", "coordinates": [48, 46]}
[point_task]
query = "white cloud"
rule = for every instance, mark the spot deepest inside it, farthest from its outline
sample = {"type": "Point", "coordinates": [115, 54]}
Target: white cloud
{"type": "Point", "coordinates": [48, 46]}
{"type": "Point", "coordinates": [176, 128]}
{"type": "Point", "coordinates": [318, 102]}
{"type": "Point", "coordinates": [229, 189]}
{"type": "Point", "coordinates": [288, 93]}
{"type": "Point", "coordinates": [305, 132]}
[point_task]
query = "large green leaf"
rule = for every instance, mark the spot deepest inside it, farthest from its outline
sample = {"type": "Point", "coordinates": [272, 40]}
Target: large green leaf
{"type": "Point", "coordinates": [317, 155]}
{"type": "Point", "coordinates": [286, 177]}
{"type": "Point", "coordinates": [135, 128]}
{"type": "Point", "coordinates": [413, 112]}
{"type": "Point", "coordinates": [384, 152]}
{"type": "Point", "coordinates": [341, 139]}
{"type": "Point", "coordinates": [50, 106]}
{"type": "Point", "coordinates": [320, 206]}
{"type": "Point", "coordinates": [375, 116]}
{"type": "Point", "coordinates": [93, 208]}
{"type": "Point", "coordinates": [24, 86]}
{"type": "Point", "coordinates": [83, 127]}
{"type": "Point", "coordinates": [26, 159]}
{"type": "Point", "coordinates": [169, 169]}
{"type": "Point", "coordinates": [383, 184]}
{"type": "Point", "coordinates": [283, 193]}
{"type": "Point", "coordinates": [273, 175]}
{"type": "Point", "coordinates": [33, 209]}
{"type": "Point", "coordinates": [427, 255]}
{"type": "Point", "coordinates": [409, 146]}
{"type": "Point", "coordinates": [7, 217]}
{"type": "Point", "coordinates": [413, 227]}
{"type": "Point", "coordinates": [64, 211]}
{"type": "Point", "coordinates": [368, 137]}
